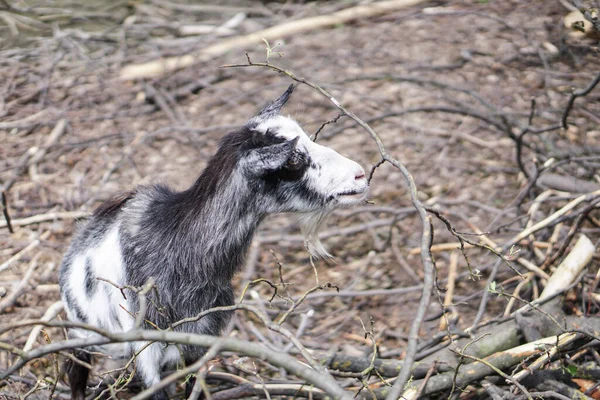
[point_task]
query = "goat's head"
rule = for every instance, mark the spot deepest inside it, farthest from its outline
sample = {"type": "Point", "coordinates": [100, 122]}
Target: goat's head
{"type": "Point", "coordinates": [291, 173]}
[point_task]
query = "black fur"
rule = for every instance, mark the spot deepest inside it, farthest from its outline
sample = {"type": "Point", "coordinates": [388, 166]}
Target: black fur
{"type": "Point", "coordinates": [78, 374]}
{"type": "Point", "coordinates": [90, 282]}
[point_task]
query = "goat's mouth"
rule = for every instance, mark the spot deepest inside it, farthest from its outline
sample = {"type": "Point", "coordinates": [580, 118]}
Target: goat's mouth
{"type": "Point", "coordinates": [352, 193]}
{"type": "Point", "coordinates": [351, 197]}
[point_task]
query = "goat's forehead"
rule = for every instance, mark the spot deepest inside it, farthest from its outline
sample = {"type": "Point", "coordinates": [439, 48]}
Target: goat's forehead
{"type": "Point", "coordinates": [284, 127]}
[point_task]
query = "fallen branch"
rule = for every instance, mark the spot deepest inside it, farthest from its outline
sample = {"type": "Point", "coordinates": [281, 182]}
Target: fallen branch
{"type": "Point", "coordinates": [49, 315]}
{"type": "Point", "coordinates": [9, 300]}
{"type": "Point", "coordinates": [29, 247]}
{"type": "Point", "coordinates": [159, 67]}
{"type": "Point", "coordinates": [387, 368]}
{"type": "Point", "coordinates": [243, 347]}
{"type": "Point", "coordinates": [35, 155]}
{"type": "Point", "coordinates": [571, 267]}
{"type": "Point", "coordinates": [477, 370]}
{"type": "Point", "coordinates": [547, 221]}
{"type": "Point", "coordinates": [51, 216]}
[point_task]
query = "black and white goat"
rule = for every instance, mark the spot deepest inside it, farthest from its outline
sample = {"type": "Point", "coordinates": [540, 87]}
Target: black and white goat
{"type": "Point", "coordinates": [193, 242]}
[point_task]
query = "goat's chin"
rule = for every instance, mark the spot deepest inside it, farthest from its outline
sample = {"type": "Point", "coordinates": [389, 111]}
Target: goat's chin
{"type": "Point", "coordinates": [310, 225]}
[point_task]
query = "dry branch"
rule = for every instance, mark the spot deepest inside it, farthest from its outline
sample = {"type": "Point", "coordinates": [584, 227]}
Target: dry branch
{"type": "Point", "coordinates": [28, 248]}
{"type": "Point", "coordinates": [35, 155]}
{"type": "Point", "coordinates": [570, 268]}
{"type": "Point", "coordinates": [49, 315]}
{"type": "Point", "coordinates": [9, 300]}
{"type": "Point", "coordinates": [547, 221]}
{"type": "Point", "coordinates": [251, 349]}
{"type": "Point", "coordinates": [501, 360]}
{"type": "Point", "coordinates": [387, 368]}
{"type": "Point", "coordinates": [159, 67]}
{"type": "Point", "coordinates": [508, 334]}
{"type": "Point", "coordinates": [51, 216]}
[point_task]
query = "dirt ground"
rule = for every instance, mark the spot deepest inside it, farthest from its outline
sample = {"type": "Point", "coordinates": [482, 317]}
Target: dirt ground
{"type": "Point", "coordinates": [118, 134]}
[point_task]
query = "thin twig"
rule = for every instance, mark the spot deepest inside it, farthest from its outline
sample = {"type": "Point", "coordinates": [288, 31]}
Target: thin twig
{"type": "Point", "coordinates": [6, 213]}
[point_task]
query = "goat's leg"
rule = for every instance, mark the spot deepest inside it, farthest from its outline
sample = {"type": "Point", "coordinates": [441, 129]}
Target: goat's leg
{"type": "Point", "coordinates": [78, 374]}
{"type": "Point", "coordinates": [148, 364]}
{"type": "Point", "coordinates": [189, 386]}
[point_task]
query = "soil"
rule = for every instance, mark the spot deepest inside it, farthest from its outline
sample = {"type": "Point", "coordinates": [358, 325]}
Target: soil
{"type": "Point", "coordinates": [120, 134]}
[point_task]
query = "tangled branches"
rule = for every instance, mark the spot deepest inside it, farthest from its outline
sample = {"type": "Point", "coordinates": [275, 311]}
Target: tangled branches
{"type": "Point", "coordinates": [503, 152]}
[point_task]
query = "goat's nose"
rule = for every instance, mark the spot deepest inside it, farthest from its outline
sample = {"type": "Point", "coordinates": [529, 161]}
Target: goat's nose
{"type": "Point", "coordinates": [359, 176]}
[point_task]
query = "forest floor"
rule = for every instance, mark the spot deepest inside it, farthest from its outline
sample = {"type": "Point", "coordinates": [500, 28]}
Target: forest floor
{"type": "Point", "coordinates": [444, 84]}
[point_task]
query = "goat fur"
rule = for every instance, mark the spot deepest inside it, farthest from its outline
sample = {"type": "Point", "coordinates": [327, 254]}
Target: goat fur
{"type": "Point", "coordinates": [191, 243]}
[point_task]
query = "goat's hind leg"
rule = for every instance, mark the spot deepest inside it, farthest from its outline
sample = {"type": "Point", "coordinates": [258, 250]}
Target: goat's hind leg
{"type": "Point", "coordinates": [78, 373]}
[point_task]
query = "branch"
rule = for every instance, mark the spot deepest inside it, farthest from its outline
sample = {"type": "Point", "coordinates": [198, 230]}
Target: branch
{"type": "Point", "coordinates": [29, 247]}
{"type": "Point", "coordinates": [282, 360]}
{"type": "Point", "coordinates": [159, 67]}
{"type": "Point", "coordinates": [51, 216]}
{"type": "Point", "coordinates": [426, 236]}
{"type": "Point", "coordinates": [574, 96]}
{"type": "Point", "coordinates": [501, 360]}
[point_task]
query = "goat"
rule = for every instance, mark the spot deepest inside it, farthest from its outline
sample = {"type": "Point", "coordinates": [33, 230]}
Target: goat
{"type": "Point", "coordinates": [191, 243]}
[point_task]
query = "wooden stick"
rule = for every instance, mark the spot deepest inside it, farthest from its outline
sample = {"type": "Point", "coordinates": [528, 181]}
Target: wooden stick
{"type": "Point", "coordinates": [9, 300]}
{"type": "Point", "coordinates": [49, 315]}
{"type": "Point", "coordinates": [36, 219]}
{"type": "Point", "coordinates": [440, 247]}
{"type": "Point", "coordinates": [516, 293]}
{"type": "Point", "coordinates": [569, 269]}
{"type": "Point", "coordinates": [550, 351]}
{"type": "Point", "coordinates": [533, 268]}
{"type": "Point", "coordinates": [547, 221]}
{"type": "Point", "coordinates": [502, 360]}
{"type": "Point", "coordinates": [161, 66]}
{"type": "Point", "coordinates": [35, 154]}
{"type": "Point", "coordinates": [52, 138]}
{"type": "Point", "coordinates": [450, 287]}
{"type": "Point", "coordinates": [29, 247]}
{"type": "Point", "coordinates": [526, 263]}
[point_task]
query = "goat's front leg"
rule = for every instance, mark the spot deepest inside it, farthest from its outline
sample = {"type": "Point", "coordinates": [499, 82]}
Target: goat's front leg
{"type": "Point", "coordinates": [149, 364]}
{"type": "Point", "coordinates": [78, 374]}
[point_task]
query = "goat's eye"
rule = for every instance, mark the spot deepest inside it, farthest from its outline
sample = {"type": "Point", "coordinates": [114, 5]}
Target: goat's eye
{"type": "Point", "coordinates": [295, 161]}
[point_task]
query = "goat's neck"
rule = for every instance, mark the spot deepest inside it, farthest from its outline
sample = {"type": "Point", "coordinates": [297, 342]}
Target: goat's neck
{"type": "Point", "coordinates": [219, 228]}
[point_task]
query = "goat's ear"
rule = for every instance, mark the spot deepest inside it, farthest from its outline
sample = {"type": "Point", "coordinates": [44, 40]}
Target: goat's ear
{"type": "Point", "coordinates": [263, 160]}
{"type": "Point", "coordinates": [273, 109]}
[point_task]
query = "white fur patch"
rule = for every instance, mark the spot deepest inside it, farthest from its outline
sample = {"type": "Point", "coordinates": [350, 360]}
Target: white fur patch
{"type": "Point", "coordinates": [106, 262]}
{"type": "Point", "coordinates": [310, 225]}
{"type": "Point", "coordinates": [335, 177]}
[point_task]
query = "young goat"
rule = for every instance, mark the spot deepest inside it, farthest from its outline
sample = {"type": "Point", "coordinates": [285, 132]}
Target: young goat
{"type": "Point", "coordinates": [191, 243]}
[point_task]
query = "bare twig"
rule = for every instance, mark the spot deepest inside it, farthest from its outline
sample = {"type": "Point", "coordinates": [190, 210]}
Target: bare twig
{"type": "Point", "coordinates": [9, 300]}
{"type": "Point", "coordinates": [28, 248]}
{"type": "Point", "coordinates": [5, 212]}
{"type": "Point", "coordinates": [49, 315]}
{"type": "Point", "coordinates": [574, 95]}
{"type": "Point", "coordinates": [499, 372]}
{"type": "Point", "coordinates": [211, 353]}
{"type": "Point", "coordinates": [331, 121]}
{"type": "Point", "coordinates": [51, 216]}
